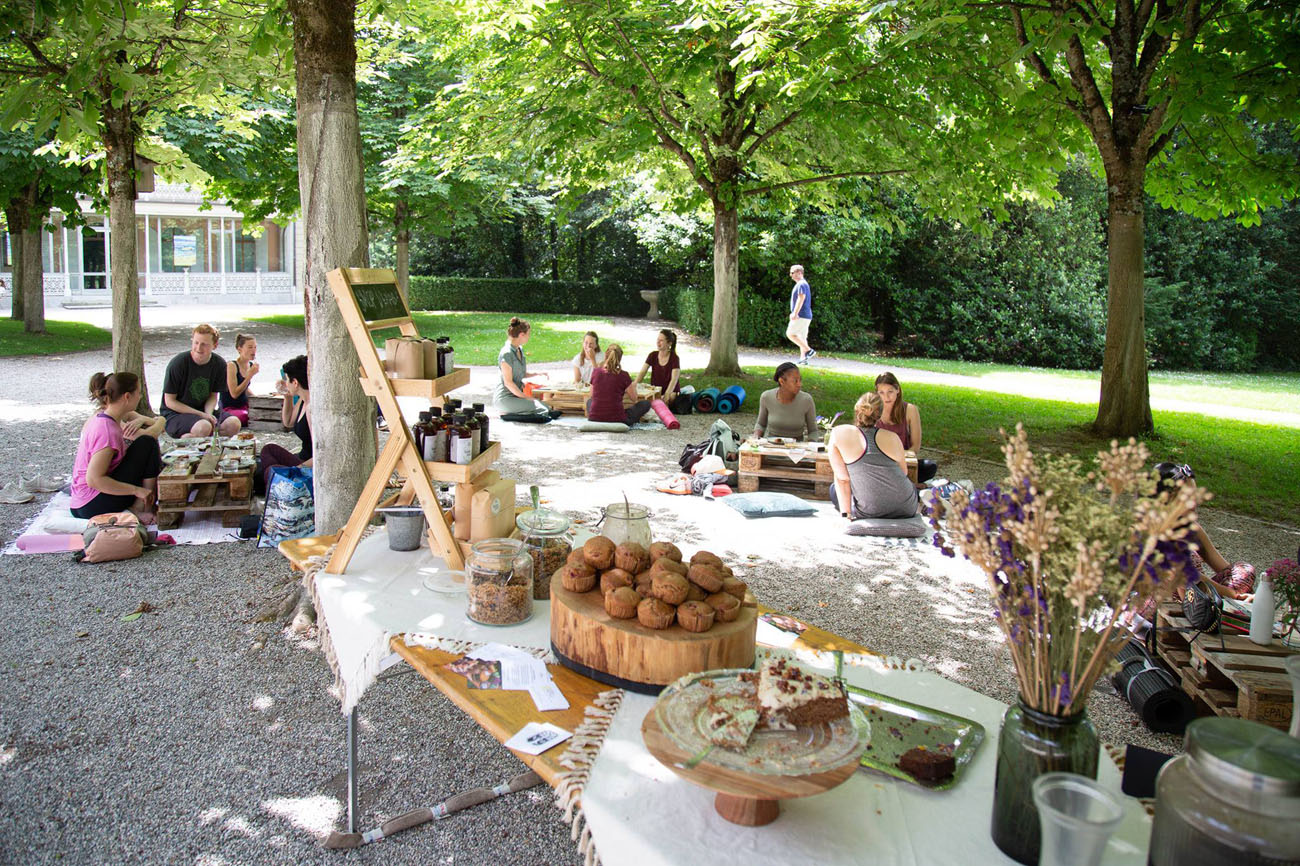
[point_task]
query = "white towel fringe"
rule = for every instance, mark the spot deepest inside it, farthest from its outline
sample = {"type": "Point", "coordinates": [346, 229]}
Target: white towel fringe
{"type": "Point", "coordinates": [579, 757]}
{"type": "Point", "coordinates": [369, 669]}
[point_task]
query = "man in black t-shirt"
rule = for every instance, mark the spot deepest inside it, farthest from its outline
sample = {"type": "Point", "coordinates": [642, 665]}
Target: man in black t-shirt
{"type": "Point", "coordinates": [190, 390]}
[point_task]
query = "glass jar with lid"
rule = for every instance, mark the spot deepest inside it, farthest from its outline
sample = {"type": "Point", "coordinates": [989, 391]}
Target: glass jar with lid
{"type": "Point", "coordinates": [545, 537]}
{"type": "Point", "coordinates": [624, 521]}
{"type": "Point", "coordinates": [499, 582]}
{"type": "Point", "coordinates": [1233, 797]}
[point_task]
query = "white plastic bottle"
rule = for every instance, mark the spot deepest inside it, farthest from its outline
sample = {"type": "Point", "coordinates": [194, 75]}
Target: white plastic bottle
{"type": "Point", "coordinates": [1261, 612]}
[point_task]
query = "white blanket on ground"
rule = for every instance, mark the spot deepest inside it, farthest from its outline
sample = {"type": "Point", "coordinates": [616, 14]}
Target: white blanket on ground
{"type": "Point", "coordinates": [56, 519]}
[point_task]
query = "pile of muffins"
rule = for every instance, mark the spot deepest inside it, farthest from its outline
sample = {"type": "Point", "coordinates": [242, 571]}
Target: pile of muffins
{"type": "Point", "coordinates": [655, 587]}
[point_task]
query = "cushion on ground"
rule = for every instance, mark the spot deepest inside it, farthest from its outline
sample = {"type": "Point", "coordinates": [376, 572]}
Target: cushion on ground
{"type": "Point", "coordinates": [889, 527]}
{"type": "Point", "coordinates": [603, 427]}
{"type": "Point", "coordinates": [526, 417]}
{"type": "Point", "coordinates": [770, 504]}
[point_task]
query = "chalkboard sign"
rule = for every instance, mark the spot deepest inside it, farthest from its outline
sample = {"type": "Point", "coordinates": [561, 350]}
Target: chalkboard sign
{"type": "Point", "coordinates": [379, 301]}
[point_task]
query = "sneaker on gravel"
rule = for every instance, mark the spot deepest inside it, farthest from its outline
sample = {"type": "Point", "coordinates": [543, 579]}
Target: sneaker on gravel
{"type": "Point", "coordinates": [812, 353]}
{"type": "Point", "coordinates": [14, 494]}
{"type": "Point", "coordinates": [43, 484]}
{"type": "Point", "coordinates": [802, 360]}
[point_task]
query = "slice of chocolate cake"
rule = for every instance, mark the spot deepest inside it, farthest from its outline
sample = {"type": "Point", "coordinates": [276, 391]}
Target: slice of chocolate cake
{"type": "Point", "coordinates": [790, 696]}
{"type": "Point", "coordinates": [927, 765]}
{"type": "Point", "coordinates": [732, 719]}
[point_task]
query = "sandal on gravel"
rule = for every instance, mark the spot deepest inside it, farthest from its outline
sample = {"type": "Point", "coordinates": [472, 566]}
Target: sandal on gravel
{"type": "Point", "coordinates": [14, 494]}
{"type": "Point", "coordinates": [43, 484]}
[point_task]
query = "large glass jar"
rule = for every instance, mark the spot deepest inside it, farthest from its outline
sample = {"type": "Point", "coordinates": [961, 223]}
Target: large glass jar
{"type": "Point", "coordinates": [499, 582]}
{"type": "Point", "coordinates": [627, 522]}
{"type": "Point", "coordinates": [1233, 797]}
{"type": "Point", "coordinates": [544, 534]}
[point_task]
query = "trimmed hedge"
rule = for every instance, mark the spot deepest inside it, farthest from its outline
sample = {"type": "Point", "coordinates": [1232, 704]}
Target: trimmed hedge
{"type": "Point", "coordinates": [519, 295]}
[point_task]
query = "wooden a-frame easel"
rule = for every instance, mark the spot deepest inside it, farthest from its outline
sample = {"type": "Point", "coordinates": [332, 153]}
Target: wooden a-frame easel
{"type": "Point", "coordinates": [369, 300]}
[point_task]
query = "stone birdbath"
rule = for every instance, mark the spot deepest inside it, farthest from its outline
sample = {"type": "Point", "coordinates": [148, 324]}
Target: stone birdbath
{"type": "Point", "coordinates": [651, 297]}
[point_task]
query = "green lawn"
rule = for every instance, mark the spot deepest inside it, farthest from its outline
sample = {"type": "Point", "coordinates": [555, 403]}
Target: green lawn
{"type": "Point", "coordinates": [1251, 468]}
{"type": "Point", "coordinates": [59, 339]}
{"type": "Point", "coordinates": [478, 337]}
{"type": "Point", "coordinates": [1274, 391]}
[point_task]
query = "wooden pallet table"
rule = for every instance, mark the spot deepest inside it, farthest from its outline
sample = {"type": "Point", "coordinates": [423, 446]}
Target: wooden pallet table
{"type": "Point", "coordinates": [1228, 675]}
{"type": "Point", "coordinates": [229, 494]}
{"type": "Point", "coordinates": [771, 467]}
{"type": "Point", "coordinates": [571, 399]}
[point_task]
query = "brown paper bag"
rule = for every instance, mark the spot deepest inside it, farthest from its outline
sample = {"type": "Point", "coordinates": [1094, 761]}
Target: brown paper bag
{"type": "Point", "coordinates": [465, 501]}
{"type": "Point", "coordinates": [405, 357]}
{"type": "Point", "coordinates": [430, 358]}
{"type": "Point", "coordinates": [493, 512]}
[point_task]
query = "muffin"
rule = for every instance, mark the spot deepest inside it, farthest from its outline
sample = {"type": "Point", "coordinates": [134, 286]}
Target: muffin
{"type": "Point", "coordinates": [599, 552]}
{"type": "Point", "coordinates": [631, 557]}
{"type": "Point", "coordinates": [707, 559]}
{"type": "Point", "coordinates": [613, 579]}
{"type": "Point", "coordinates": [669, 587]}
{"type": "Point", "coordinates": [726, 607]}
{"type": "Point", "coordinates": [656, 614]}
{"type": "Point", "coordinates": [660, 549]}
{"type": "Point", "coordinates": [577, 556]}
{"type": "Point", "coordinates": [726, 570]}
{"type": "Point", "coordinates": [577, 577]}
{"type": "Point", "coordinates": [706, 577]}
{"type": "Point", "coordinates": [622, 602]}
{"type": "Point", "coordinates": [735, 586]}
{"type": "Point", "coordinates": [672, 566]}
{"type": "Point", "coordinates": [643, 582]}
{"type": "Point", "coordinates": [694, 593]}
{"type": "Point", "coordinates": [694, 616]}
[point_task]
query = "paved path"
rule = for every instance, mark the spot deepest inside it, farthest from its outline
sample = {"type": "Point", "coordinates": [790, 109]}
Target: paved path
{"type": "Point", "coordinates": [695, 353]}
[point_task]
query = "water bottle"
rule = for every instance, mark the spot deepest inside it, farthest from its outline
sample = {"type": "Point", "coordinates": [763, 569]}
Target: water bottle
{"type": "Point", "coordinates": [1261, 613]}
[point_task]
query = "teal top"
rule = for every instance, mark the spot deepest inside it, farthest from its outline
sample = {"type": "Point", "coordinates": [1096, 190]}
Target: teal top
{"type": "Point", "coordinates": [514, 356]}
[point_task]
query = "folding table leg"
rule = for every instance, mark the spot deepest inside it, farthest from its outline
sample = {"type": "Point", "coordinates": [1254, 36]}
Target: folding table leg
{"type": "Point", "coordinates": [352, 771]}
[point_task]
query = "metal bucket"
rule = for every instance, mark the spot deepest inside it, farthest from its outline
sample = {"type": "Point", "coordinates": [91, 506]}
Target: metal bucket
{"type": "Point", "coordinates": [405, 526]}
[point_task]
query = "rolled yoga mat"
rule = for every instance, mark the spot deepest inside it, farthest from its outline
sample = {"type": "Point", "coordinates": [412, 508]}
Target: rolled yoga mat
{"type": "Point", "coordinates": [707, 400]}
{"type": "Point", "coordinates": [731, 399]}
{"type": "Point", "coordinates": [665, 414]}
{"type": "Point", "coordinates": [1152, 691]}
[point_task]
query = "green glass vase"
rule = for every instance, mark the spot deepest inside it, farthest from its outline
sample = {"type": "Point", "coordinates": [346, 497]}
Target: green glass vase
{"type": "Point", "coordinates": [1033, 743]}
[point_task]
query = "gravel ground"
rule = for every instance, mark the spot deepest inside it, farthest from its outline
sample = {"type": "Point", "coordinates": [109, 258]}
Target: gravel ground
{"type": "Point", "coordinates": [196, 735]}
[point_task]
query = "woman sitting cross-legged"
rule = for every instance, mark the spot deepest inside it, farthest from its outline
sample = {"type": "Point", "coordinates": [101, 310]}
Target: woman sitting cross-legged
{"type": "Point", "coordinates": [787, 411]}
{"type": "Point", "coordinates": [587, 360]}
{"type": "Point", "coordinates": [904, 420]}
{"type": "Point", "coordinates": [295, 415]}
{"type": "Point", "coordinates": [870, 469]}
{"type": "Point", "coordinates": [108, 474]}
{"type": "Point", "coordinates": [609, 382]}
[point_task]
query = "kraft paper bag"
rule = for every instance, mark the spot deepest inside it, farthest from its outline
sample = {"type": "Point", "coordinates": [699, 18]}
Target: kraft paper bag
{"type": "Point", "coordinates": [493, 512]}
{"type": "Point", "coordinates": [465, 501]}
{"type": "Point", "coordinates": [405, 357]}
{"type": "Point", "coordinates": [430, 358]}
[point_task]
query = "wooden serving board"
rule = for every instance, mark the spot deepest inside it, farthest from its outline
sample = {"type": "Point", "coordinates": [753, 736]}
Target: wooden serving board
{"type": "Point", "coordinates": [624, 653]}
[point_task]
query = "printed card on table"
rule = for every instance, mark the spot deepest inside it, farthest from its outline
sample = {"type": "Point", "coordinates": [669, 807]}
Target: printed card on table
{"type": "Point", "coordinates": [536, 737]}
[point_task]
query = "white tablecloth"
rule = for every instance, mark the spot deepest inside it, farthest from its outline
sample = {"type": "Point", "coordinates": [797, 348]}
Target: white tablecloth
{"type": "Point", "coordinates": [640, 813]}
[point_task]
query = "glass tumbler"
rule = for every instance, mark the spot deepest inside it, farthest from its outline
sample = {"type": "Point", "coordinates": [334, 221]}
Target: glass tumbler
{"type": "Point", "coordinates": [1078, 817]}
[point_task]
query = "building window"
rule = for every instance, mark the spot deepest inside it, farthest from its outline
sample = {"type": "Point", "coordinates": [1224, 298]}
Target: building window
{"type": "Point", "coordinates": [183, 245]}
{"type": "Point", "coordinates": [263, 251]}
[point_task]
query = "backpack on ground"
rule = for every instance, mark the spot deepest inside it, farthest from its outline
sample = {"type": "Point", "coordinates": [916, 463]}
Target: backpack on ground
{"type": "Point", "coordinates": [110, 537]}
{"type": "Point", "coordinates": [722, 441]}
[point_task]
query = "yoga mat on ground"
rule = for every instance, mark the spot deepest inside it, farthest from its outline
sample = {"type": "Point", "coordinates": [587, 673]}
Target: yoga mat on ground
{"type": "Point", "coordinates": [665, 414]}
{"type": "Point", "coordinates": [1152, 691]}
{"type": "Point", "coordinates": [49, 543]}
{"type": "Point", "coordinates": [707, 400]}
{"type": "Point", "coordinates": [731, 399]}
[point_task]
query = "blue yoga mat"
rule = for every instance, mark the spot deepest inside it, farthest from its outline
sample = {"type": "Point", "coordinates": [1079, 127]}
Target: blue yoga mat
{"type": "Point", "coordinates": [706, 400]}
{"type": "Point", "coordinates": [731, 399]}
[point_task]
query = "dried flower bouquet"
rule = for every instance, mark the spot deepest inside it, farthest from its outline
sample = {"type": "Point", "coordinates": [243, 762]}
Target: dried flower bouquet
{"type": "Point", "coordinates": [1070, 552]}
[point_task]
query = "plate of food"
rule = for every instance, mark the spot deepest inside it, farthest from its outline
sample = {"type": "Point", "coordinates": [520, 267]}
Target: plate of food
{"type": "Point", "coordinates": [184, 454]}
{"type": "Point", "coordinates": [917, 744]}
{"type": "Point", "coordinates": [778, 720]}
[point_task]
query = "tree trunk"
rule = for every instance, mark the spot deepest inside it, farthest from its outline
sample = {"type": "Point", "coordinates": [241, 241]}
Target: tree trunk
{"type": "Point", "coordinates": [723, 356]}
{"type": "Point", "coordinates": [16, 218]}
{"type": "Point", "coordinates": [555, 251]}
{"type": "Point", "coordinates": [1125, 405]}
{"type": "Point", "coordinates": [402, 235]}
{"type": "Point", "coordinates": [32, 287]}
{"type": "Point", "coordinates": [124, 279]}
{"type": "Point", "coordinates": [333, 198]}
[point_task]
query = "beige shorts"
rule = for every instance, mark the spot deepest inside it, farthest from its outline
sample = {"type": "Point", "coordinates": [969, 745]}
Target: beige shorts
{"type": "Point", "coordinates": [798, 328]}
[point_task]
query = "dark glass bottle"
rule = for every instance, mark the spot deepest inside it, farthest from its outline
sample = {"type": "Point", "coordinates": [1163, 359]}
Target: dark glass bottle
{"type": "Point", "coordinates": [420, 432]}
{"type": "Point", "coordinates": [443, 349]}
{"type": "Point", "coordinates": [459, 441]}
{"type": "Point", "coordinates": [449, 358]}
{"type": "Point", "coordinates": [438, 433]}
{"type": "Point", "coordinates": [483, 420]}
{"type": "Point", "coordinates": [475, 433]}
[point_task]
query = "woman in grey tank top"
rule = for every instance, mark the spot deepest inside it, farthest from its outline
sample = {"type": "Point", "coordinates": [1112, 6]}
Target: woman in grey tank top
{"type": "Point", "coordinates": [870, 469]}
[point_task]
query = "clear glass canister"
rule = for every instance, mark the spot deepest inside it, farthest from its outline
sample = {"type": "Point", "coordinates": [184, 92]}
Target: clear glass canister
{"type": "Point", "coordinates": [626, 522]}
{"type": "Point", "coordinates": [1233, 797]}
{"type": "Point", "coordinates": [544, 534]}
{"type": "Point", "coordinates": [499, 582]}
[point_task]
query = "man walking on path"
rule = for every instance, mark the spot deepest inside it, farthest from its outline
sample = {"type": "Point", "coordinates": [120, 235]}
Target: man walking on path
{"type": "Point", "coordinates": [800, 314]}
